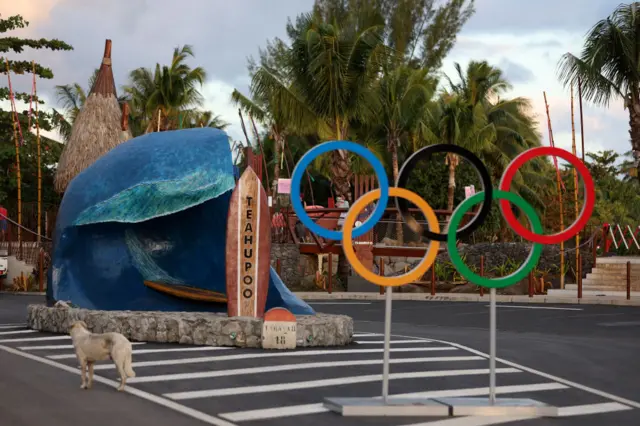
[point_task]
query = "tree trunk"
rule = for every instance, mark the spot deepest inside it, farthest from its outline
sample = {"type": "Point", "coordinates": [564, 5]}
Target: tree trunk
{"type": "Point", "coordinates": [341, 178]}
{"type": "Point", "coordinates": [341, 174]}
{"type": "Point", "coordinates": [452, 162]}
{"type": "Point", "coordinates": [277, 149]}
{"type": "Point", "coordinates": [633, 105]}
{"type": "Point", "coordinates": [393, 146]}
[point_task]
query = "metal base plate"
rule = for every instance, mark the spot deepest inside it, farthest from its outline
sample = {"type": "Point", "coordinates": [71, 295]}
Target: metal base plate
{"type": "Point", "coordinates": [376, 407]}
{"type": "Point", "coordinates": [501, 407]}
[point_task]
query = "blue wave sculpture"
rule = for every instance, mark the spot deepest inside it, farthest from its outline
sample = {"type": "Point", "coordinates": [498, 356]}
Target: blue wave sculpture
{"type": "Point", "coordinates": [154, 208]}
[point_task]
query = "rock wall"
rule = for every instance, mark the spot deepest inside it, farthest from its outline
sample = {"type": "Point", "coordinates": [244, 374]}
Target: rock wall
{"type": "Point", "coordinates": [290, 267]}
{"type": "Point", "coordinates": [497, 254]}
{"type": "Point", "coordinates": [198, 328]}
{"type": "Point", "coordinates": [499, 259]}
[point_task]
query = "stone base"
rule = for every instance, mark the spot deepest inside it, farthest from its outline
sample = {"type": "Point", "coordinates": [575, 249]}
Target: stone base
{"type": "Point", "coordinates": [197, 328]}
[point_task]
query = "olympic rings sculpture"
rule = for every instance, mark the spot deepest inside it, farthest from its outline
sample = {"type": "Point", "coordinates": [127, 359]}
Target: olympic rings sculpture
{"type": "Point", "coordinates": [404, 197]}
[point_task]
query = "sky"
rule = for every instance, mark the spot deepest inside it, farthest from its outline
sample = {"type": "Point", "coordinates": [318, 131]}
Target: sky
{"type": "Point", "coordinates": [526, 41]}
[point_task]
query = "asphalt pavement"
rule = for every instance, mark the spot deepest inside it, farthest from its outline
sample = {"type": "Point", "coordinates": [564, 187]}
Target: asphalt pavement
{"type": "Point", "coordinates": [583, 359]}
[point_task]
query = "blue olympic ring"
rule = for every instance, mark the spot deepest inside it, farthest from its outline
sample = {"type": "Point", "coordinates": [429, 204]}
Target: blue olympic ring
{"type": "Point", "coordinates": [308, 157]}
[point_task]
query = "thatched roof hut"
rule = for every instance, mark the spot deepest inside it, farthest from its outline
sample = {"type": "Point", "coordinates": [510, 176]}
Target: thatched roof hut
{"type": "Point", "coordinates": [98, 128]}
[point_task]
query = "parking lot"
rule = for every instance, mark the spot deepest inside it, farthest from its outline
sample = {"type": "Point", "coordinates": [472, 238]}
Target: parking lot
{"type": "Point", "coordinates": [227, 386]}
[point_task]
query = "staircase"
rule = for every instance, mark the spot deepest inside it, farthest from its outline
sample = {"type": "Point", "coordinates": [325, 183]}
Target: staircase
{"type": "Point", "coordinates": [607, 278]}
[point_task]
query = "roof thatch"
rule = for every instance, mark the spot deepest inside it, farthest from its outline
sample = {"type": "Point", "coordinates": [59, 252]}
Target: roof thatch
{"type": "Point", "coordinates": [97, 128]}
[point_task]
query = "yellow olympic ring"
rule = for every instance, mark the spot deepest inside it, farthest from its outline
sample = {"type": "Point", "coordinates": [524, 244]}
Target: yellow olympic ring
{"type": "Point", "coordinates": [414, 274]}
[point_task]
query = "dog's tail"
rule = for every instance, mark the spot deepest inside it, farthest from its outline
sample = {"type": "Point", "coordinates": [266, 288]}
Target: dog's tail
{"type": "Point", "coordinates": [127, 366]}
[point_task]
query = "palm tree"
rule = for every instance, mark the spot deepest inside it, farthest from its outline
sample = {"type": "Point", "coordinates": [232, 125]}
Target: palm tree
{"type": "Point", "coordinates": [160, 96]}
{"type": "Point", "coordinates": [609, 66]}
{"type": "Point", "coordinates": [266, 112]}
{"type": "Point", "coordinates": [196, 118]}
{"type": "Point", "coordinates": [472, 114]}
{"type": "Point", "coordinates": [329, 86]}
{"type": "Point", "coordinates": [72, 97]}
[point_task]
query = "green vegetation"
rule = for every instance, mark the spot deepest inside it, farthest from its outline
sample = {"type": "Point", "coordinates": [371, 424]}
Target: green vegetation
{"type": "Point", "coordinates": [370, 72]}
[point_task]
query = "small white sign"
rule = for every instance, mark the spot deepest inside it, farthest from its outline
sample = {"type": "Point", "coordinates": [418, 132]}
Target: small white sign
{"type": "Point", "coordinates": [279, 334]}
{"type": "Point", "coordinates": [270, 201]}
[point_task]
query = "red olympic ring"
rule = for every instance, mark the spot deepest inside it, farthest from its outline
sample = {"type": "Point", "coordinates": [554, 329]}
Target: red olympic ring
{"type": "Point", "coordinates": [587, 208]}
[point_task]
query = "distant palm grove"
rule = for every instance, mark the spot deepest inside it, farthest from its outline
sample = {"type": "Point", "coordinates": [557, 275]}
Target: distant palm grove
{"type": "Point", "coordinates": [370, 72]}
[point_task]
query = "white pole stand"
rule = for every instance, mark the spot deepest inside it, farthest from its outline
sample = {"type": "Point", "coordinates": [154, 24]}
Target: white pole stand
{"type": "Point", "coordinates": [385, 405]}
{"type": "Point", "coordinates": [491, 406]}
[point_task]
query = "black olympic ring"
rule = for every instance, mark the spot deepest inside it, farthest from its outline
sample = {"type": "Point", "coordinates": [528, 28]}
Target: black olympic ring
{"type": "Point", "coordinates": [483, 174]}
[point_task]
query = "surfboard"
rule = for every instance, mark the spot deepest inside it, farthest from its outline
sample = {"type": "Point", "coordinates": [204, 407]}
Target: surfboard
{"type": "Point", "coordinates": [248, 248]}
{"type": "Point", "coordinates": [187, 292]}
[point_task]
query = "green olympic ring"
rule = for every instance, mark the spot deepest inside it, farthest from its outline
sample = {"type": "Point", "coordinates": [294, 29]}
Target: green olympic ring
{"type": "Point", "coordinates": [464, 270]}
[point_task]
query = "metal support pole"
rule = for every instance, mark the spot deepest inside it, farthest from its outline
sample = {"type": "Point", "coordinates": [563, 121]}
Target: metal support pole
{"type": "Point", "coordinates": [481, 274]}
{"type": "Point", "coordinates": [492, 346]}
{"type": "Point", "coordinates": [628, 280]}
{"type": "Point", "coordinates": [387, 344]}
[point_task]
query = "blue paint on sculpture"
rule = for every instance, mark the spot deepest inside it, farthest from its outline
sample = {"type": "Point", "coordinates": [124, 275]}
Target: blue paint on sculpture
{"type": "Point", "coordinates": [154, 208]}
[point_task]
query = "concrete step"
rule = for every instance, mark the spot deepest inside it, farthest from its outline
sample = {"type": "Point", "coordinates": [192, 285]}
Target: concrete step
{"type": "Point", "coordinates": [612, 284]}
{"type": "Point", "coordinates": [617, 260]}
{"type": "Point", "coordinates": [623, 278]}
{"type": "Point", "coordinates": [616, 267]}
{"type": "Point", "coordinates": [614, 273]}
{"type": "Point", "coordinates": [591, 286]}
{"type": "Point", "coordinates": [574, 293]}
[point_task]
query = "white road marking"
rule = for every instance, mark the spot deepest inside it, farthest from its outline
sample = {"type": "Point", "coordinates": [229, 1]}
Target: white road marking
{"type": "Point", "coordinates": [153, 351]}
{"type": "Point", "coordinates": [339, 303]}
{"type": "Point", "coordinates": [292, 367]}
{"type": "Point", "coordinates": [380, 342]}
{"type": "Point", "coordinates": [7, 326]}
{"type": "Point", "coordinates": [252, 355]}
{"type": "Point", "coordinates": [297, 410]}
{"type": "Point", "coordinates": [474, 421]}
{"type": "Point", "coordinates": [54, 347]}
{"type": "Point", "coordinates": [35, 339]}
{"type": "Point", "coordinates": [366, 334]}
{"type": "Point", "coordinates": [6, 333]}
{"type": "Point", "coordinates": [619, 324]}
{"type": "Point", "coordinates": [577, 410]}
{"type": "Point", "coordinates": [206, 418]}
{"type": "Point", "coordinates": [570, 383]}
{"type": "Point", "coordinates": [551, 308]}
{"type": "Point", "coordinates": [276, 387]}
{"type": "Point", "coordinates": [604, 407]}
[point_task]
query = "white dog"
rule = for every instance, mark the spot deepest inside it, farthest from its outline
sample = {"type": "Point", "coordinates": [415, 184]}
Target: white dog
{"type": "Point", "coordinates": [98, 347]}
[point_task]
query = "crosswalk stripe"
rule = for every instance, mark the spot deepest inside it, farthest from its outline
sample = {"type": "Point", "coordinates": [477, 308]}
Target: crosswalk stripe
{"type": "Point", "coordinates": [604, 407]}
{"type": "Point", "coordinates": [8, 326]}
{"type": "Point", "coordinates": [474, 421]}
{"type": "Point", "coordinates": [35, 339]}
{"type": "Point", "coordinates": [154, 351]}
{"type": "Point", "coordinates": [570, 411]}
{"type": "Point", "coordinates": [251, 355]}
{"type": "Point", "coordinates": [55, 347]}
{"type": "Point", "coordinates": [6, 333]}
{"type": "Point", "coordinates": [304, 409]}
{"type": "Point", "coordinates": [276, 387]}
{"type": "Point", "coordinates": [292, 367]}
{"type": "Point", "coordinates": [380, 342]}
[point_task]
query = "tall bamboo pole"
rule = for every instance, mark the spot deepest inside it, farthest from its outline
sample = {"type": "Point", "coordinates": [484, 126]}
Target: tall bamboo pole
{"type": "Point", "coordinates": [35, 92]}
{"type": "Point", "coordinates": [581, 117]}
{"type": "Point", "coordinates": [17, 144]}
{"type": "Point", "coordinates": [575, 181]}
{"type": "Point", "coordinates": [264, 158]}
{"type": "Point", "coordinates": [559, 194]}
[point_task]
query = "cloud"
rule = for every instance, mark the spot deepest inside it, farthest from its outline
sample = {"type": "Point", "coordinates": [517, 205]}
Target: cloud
{"type": "Point", "coordinates": [525, 39]}
{"type": "Point", "coordinates": [522, 17]}
{"type": "Point", "coordinates": [145, 32]}
{"type": "Point", "coordinates": [516, 73]}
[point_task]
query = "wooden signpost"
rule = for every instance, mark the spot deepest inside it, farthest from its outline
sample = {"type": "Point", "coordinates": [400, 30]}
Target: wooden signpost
{"type": "Point", "coordinates": [248, 248]}
{"type": "Point", "coordinates": [279, 329]}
